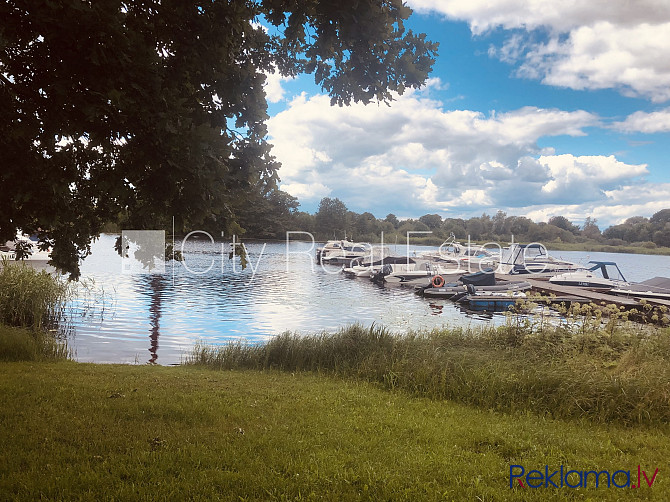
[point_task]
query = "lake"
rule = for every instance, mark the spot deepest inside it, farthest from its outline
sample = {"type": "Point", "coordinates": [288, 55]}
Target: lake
{"type": "Point", "coordinates": [119, 317]}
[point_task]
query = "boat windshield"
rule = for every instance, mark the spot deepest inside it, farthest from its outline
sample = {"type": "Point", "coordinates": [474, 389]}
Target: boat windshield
{"type": "Point", "coordinates": [518, 254]}
{"type": "Point", "coordinates": [607, 270]}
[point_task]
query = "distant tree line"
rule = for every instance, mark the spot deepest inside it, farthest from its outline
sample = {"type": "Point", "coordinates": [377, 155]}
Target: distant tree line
{"type": "Point", "coordinates": [270, 216]}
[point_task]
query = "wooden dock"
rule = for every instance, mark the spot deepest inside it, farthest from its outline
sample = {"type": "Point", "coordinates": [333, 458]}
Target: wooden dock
{"type": "Point", "coordinates": [570, 293]}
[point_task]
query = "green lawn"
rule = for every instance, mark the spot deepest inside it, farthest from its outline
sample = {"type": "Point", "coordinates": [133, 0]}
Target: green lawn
{"type": "Point", "coordinates": [96, 432]}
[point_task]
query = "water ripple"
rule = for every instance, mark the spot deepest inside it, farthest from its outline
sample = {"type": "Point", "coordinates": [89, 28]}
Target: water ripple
{"type": "Point", "coordinates": [139, 318]}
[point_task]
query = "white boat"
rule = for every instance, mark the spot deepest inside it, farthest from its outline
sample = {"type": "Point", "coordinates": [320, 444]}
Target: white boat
{"type": "Point", "coordinates": [332, 248]}
{"type": "Point", "coordinates": [469, 257]}
{"type": "Point", "coordinates": [602, 275]}
{"type": "Point", "coordinates": [29, 245]}
{"type": "Point", "coordinates": [349, 253]}
{"type": "Point", "coordinates": [368, 268]}
{"type": "Point", "coordinates": [658, 287]}
{"type": "Point", "coordinates": [7, 254]}
{"type": "Point", "coordinates": [532, 259]}
{"type": "Point", "coordinates": [416, 273]}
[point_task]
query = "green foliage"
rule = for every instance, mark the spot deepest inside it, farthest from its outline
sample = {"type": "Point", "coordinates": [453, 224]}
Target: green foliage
{"type": "Point", "coordinates": [563, 223]}
{"type": "Point", "coordinates": [29, 298]}
{"type": "Point", "coordinates": [333, 220]}
{"type": "Point", "coordinates": [332, 217]}
{"type": "Point", "coordinates": [269, 215]}
{"type": "Point", "coordinates": [157, 109]}
{"type": "Point", "coordinates": [23, 250]}
{"type": "Point", "coordinates": [639, 229]}
{"type": "Point", "coordinates": [432, 221]}
{"type": "Point", "coordinates": [392, 219]}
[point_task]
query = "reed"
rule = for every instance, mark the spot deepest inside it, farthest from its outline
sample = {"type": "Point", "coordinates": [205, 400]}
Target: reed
{"type": "Point", "coordinates": [30, 298]}
{"type": "Point", "coordinates": [602, 373]}
{"type": "Point", "coordinates": [19, 344]}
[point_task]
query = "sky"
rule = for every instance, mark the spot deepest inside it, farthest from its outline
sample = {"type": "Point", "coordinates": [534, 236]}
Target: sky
{"type": "Point", "coordinates": [537, 108]}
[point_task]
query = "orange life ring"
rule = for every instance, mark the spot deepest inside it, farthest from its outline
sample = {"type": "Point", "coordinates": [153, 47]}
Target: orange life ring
{"type": "Point", "coordinates": [438, 281]}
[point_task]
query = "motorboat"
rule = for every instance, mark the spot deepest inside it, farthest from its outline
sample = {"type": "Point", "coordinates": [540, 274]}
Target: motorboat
{"type": "Point", "coordinates": [7, 253]}
{"type": "Point", "coordinates": [350, 254]}
{"type": "Point", "coordinates": [28, 244]}
{"type": "Point", "coordinates": [601, 276]}
{"type": "Point", "coordinates": [658, 288]}
{"type": "Point", "coordinates": [415, 272]}
{"type": "Point", "coordinates": [483, 282]}
{"type": "Point", "coordinates": [368, 268]}
{"type": "Point", "coordinates": [494, 301]}
{"type": "Point", "coordinates": [470, 258]}
{"type": "Point", "coordinates": [532, 259]}
{"type": "Point", "coordinates": [332, 248]}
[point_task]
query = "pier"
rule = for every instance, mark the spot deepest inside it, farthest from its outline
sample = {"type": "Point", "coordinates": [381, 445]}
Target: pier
{"type": "Point", "coordinates": [572, 293]}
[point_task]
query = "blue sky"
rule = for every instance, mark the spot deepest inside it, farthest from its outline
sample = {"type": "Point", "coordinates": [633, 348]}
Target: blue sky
{"type": "Point", "coordinates": [535, 108]}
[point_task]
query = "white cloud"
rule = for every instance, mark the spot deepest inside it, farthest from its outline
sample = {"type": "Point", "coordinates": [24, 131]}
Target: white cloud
{"type": "Point", "coordinates": [632, 59]}
{"type": "Point", "coordinates": [414, 157]}
{"type": "Point", "coordinates": [648, 123]}
{"type": "Point", "coordinates": [585, 178]}
{"type": "Point", "coordinates": [560, 16]}
{"type": "Point", "coordinates": [595, 44]}
{"type": "Point", "coordinates": [307, 191]}
{"type": "Point", "coordinates": [619, 205]}
{"type": "Point", "coordinates": [274, 92]}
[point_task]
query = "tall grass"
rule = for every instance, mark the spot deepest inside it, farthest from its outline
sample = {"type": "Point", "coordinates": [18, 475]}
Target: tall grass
{"type": "Point", "coordinates": [20, 344]}
{"type": "Point", "coordinates": [30, 298]}
{"type": "Point", "coordinates": [31, 302]}
{"type": "Point", "coordinates": [603, 375]}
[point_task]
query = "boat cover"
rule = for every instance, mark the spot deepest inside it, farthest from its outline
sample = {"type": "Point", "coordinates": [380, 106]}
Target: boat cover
{"type": "Point", "coordinates": [484, 278]}
{"type": "Point", "coordinates": [389, 260]}
{"type": "Point", "coordinates": [655, 285]}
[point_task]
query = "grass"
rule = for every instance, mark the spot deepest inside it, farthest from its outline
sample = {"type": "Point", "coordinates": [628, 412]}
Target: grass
{"type": "Point", "coordinates": [30, 298]}
{"type": "Point", "coordinates": [103, 432]}
{"type": "Point", "coordinates": [603, 374]}
{"type": "Point", "coordinates": [20, 344]}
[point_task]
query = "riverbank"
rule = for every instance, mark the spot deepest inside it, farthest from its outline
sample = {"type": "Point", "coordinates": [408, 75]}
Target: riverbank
{"type": "Point", "coordinates": [84, 431]}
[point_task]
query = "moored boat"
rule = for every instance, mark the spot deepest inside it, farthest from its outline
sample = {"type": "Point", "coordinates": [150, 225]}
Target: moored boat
{"type": "Point", "coordinates": [493, 301]}
{"type": "Point", "coordinates": [479, 282]}
{"type": "Point", "coordinates": [656, 288]}
{"type": "Point", "coordinates": [532, 259]}
{"type": "Point", "coordinates": [600, 276]}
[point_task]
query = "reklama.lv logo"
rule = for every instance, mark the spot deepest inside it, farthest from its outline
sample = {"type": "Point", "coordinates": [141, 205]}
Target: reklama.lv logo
{"type": "Point", "coordinates": [577, 479]}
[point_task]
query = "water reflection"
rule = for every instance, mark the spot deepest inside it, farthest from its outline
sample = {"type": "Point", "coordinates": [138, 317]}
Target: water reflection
{"type": "Point", "coordinates": [435, 308]}
{"type": "Point", "coordinates": [157, 285]}
{"type": "Point", "coordinates": [283, 291]}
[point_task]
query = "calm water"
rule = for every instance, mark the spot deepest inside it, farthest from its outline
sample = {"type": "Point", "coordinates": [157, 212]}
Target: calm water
{"type": "Point", "coordinates": [143, 317]}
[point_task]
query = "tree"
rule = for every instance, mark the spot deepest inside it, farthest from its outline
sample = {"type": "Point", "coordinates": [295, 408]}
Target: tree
{"type": "Point", "coordinates": [590, 229]}
{"type": "Point", "coordinates": [520, 225]}
{"type": "Point", "coordinates": [475, 228]}
{"type": "Point", "coordinates": [660, 218]}
{"type": "Point", "coordinates": [365, 224]}
{"type": "Point", "coordinates": [269, 215]}
{"type": "Point", "coordinates": [331, 218]}
{"type": "Point", "coordinates": [563, 223]}
{"type": "Point", "coordinates": [392, 219]}
{"type": "Point", "coordinates": [662, 236]}
{"type": "Point", "coordinates": [454, 226]}
{"type": "Point", "coordinates": [156, 109]}
{"type": "Point", "coordinates": [499, 222]}
{"type": "Point", "coordinates": [432, 221]}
